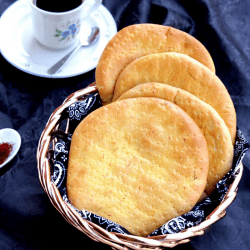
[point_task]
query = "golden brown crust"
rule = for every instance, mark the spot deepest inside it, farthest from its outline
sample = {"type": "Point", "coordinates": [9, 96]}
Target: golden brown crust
{"type": "Point", "coordinates": [138, 162]}
{"type": "Point", "coordinates": [218, 138]}
{"type": "Point", "coordinates": [180, 71]}
{"type": "Point", "coordinates": [139, 40]}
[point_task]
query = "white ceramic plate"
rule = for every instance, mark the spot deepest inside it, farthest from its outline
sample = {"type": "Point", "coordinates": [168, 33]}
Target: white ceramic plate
{"type": "Point", "coordinates": [20, 48]}
{"type": "Point", "coordinates": [11, 136]}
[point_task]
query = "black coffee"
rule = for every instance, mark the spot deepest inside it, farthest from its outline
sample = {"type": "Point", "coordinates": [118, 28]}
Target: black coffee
{"type": "Point", "coordinates": [57, 5]}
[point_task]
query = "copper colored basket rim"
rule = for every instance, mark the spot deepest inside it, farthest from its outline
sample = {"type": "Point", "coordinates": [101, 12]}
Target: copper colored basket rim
{"type": "Point", "coordinates": [95, 232]}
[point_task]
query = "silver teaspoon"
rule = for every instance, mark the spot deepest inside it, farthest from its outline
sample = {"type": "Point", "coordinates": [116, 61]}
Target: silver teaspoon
{"type": "Point", "coordinates": [93, 37]}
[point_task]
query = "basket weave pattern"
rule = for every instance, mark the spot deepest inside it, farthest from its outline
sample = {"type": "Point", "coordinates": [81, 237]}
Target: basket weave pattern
{"type": "Point", "coordinates": [95, 232]}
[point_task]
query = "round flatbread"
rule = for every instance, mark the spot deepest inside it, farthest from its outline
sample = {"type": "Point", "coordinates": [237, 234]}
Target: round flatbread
{"type": "Point", "coordinates": [180, 71]}
{"type": "Point", "coordinates": [218, 138]}
{"type": "Point", "coordinates": [139, 40]}
{"type": "Point", "coordinates": [138, 162]}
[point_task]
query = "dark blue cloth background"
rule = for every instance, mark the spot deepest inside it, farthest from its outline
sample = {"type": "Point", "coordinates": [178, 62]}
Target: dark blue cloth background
{"type": "Point", "coordinates": [28, 221]}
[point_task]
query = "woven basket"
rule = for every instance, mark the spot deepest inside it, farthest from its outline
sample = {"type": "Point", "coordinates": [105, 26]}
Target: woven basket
{"type": "Point", "coordinates": [115, 240]}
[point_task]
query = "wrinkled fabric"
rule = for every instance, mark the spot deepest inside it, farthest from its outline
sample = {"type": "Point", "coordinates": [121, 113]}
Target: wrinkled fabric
{"type": "Point", "coordinates": [26, 102]}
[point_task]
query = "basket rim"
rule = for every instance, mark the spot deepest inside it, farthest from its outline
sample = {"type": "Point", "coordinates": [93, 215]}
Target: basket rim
{"type": "Point", "coordinates": [116, 240]}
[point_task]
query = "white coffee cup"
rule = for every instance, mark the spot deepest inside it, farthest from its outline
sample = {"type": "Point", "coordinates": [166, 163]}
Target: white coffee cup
{"type": "Point", "coordinates": [58, 30]}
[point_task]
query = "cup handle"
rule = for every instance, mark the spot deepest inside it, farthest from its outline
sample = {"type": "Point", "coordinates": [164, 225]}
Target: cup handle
{"type": "Point", "coordinates": [91, 6]}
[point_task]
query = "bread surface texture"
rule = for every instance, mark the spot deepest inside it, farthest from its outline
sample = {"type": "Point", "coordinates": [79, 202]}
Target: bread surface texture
{"type": "Point", "coordinates": [213, 127]}
{"type": "Point", "coordinates": [184, 72]}
{"type": "Point", "coordinates": [139, 40]}
{"type": "Point", "coordinates": [138, 162]}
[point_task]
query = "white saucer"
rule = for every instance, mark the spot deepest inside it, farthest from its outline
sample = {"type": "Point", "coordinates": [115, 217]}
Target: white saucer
{"type": "Point", "coordinates": [20, 48]}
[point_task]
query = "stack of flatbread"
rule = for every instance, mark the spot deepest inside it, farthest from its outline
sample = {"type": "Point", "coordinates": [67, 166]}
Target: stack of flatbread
{"type": "Point", "coordinates": [162, 139]}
